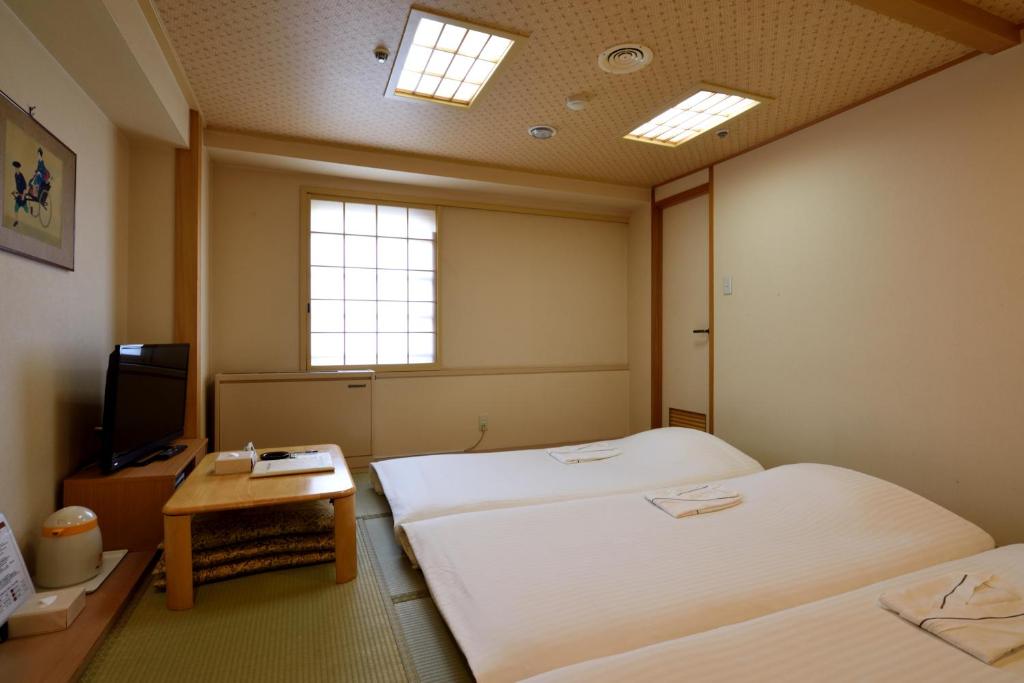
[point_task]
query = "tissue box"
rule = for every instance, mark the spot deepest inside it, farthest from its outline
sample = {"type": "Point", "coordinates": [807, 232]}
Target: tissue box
{"type": "Point", "coordinates": [47, 612]}
{"type": "Point", "coordinates": [234, 462]}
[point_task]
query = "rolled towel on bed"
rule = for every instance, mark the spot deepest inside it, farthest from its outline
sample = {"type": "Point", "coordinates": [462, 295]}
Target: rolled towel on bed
{"type": "Point", "coordinates": [586, 452]}
{"type": "Point", "coordinates": [978, 613]}
{"type": "Point", "coordinates": [696, 499]}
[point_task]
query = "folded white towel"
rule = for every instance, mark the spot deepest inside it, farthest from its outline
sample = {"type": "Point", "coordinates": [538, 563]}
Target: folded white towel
{"type": "Point", "coordinates": [574, 455]}
{"type": "Point", "coordinates": [979, 613]}
{"type": "Point", "coordinates": [583, 447]}
{"type": "Point", "coordinates": [683, 501]}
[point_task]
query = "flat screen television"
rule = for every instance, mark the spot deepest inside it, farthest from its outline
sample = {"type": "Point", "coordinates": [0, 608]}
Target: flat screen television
{"type": "Point", "coordinates": [144, 403]}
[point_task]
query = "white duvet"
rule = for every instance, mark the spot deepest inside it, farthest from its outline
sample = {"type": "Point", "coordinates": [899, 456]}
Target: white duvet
{"type": "Point", "coordinates": [530, 589]}
{"type": "Point", "coordinates": [428, 486]}
{"type": "Point", "coordinates": [844, 639]}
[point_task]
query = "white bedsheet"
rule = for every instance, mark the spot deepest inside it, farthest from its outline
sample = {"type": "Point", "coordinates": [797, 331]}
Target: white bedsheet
{"type": "Point", "coordinates": [531, 589]}
{"type": "Point", "coordinates": [429, 486]}
{"type": "Point", "coordinates": [845, 639]}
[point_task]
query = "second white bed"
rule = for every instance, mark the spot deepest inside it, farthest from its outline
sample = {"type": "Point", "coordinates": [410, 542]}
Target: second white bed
{"type": "Point", "coordinates": [530, 589]}
{"type": "Point", "coordinates": [423, 487]}
{"type": "Point", "coordinates": [844, 639]}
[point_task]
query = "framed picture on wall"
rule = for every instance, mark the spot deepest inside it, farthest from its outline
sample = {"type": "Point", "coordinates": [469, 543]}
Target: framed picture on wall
{"type": "Point", "coordinates": [37, 189]}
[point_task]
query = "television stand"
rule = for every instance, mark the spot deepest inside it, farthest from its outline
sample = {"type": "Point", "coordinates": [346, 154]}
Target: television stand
{"type": "Point", "coordinates": [129, 502]}
{"type": "Point", "coordinates": [162, 454]}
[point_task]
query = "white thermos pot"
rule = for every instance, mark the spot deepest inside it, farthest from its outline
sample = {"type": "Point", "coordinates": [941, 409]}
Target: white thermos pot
{"type": "Point", "coordinates": [71, 549]}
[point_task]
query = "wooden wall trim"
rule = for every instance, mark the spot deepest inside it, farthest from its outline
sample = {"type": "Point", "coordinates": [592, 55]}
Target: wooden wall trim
{"type": "Point", "coordinates": [657, 296]}
{"type": "Point", "coordinates": [711, 301]}
{"type": "Point", "coordinates": [685, 195]}
{"type": "Point", "coordinates": [656, 312]}
{"type": "Point", "coordinates": [954, 20]}
{"type": "Point", "coordinates": [188, 169]}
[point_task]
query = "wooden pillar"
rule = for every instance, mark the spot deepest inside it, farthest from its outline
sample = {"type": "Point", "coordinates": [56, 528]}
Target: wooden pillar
{"type": "Point", "coordinates": [657, 261]}
{"type": "Point", "coordinates": [188, 169]}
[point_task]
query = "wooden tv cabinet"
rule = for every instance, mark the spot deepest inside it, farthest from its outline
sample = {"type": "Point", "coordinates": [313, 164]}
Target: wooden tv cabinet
{"type": "Point", "coordinates": [129, 503]}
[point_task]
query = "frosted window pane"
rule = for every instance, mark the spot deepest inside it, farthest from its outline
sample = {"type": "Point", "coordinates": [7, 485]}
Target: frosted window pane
{"type": "Point", "coordinates": [360, 316]}
{"type": "Point", "coordinates": [360, 283]}
{"type": "Point", "coordinates": [421, 317]}
{"type": "Point", "coordinates": [421, 348]}
{"type": "Point", "coordinates": [326, 250]}
{"type": "Point", "coordinates": [393, 316]}
{"type": "Point", "coordinates": [326, 316]}
{"type": "Point", "coordinates": [327, 349]}
{"type": "Point", "coordinates": [421, 286]}
{"type": "Point", "coordinates": [392, 348]}
{"type": "Point", "coordinates": [392, 284]}
{"type": "Point", "coordinates": [360, 219]}
{"type": "Point", "coordinates": [391, 221]}
{"type": "Point", "coordinates": [451, 37]}
{"type": "Point", "coordinates": [495, 49]}
{"type": "Point", "coordinates": [473, 43]}
{"type": "Point", "coordinates": [421, 255]}
{"type": "Point", "coordinates": [360, 349]}
{"type": "Point", "coordinates": [326, 216]}
{"type": "Point", "coordinates": [360, 252]}
{"type": "Point", "coordinates": [326, 283]}
{"type": "Point", "coordinates": [422, 223]}
{"type": "Point", "coordinates": [391, 253]}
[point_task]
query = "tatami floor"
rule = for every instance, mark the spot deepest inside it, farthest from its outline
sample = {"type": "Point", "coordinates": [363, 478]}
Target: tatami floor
{"type": "Point", "coordinates": [294, 625]}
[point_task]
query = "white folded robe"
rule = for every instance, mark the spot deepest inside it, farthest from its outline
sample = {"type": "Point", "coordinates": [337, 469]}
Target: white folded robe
{"type": "Point", "coordinates": [427, 486]}
{"type": "Point", "coordinates": [588, 452]}
{"type": "Point", "coordinates": [978, 612]}
{"type": "Point", "coordinates": [842, 639]}
{"type": "Point", "coordinates": [699, 499]}
{"type": "Point", "coordinates": [530, 589]}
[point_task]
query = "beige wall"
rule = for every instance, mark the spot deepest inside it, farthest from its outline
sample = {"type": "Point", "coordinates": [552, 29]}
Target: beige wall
{"type": "Point", "coordinates": [878, 264]}
{"type": "Point", "coordinates": [516, 290]}
{"type": "Point", "coordinates": [57, 327]}
{"type": "Point", "coordinates": [150, 243]}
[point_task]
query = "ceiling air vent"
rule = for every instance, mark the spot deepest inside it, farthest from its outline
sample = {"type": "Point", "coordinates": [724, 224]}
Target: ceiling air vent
{"type": "Point", "coordinates": [624, 59]}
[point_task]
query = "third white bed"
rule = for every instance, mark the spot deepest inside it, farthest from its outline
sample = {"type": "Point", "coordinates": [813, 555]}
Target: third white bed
{"type": "Point", "coordinates": [427, 486]}
{"type": "Point", "coordinates": [530, 589]}
{"type": "Point", "coordinates": [844, 639]}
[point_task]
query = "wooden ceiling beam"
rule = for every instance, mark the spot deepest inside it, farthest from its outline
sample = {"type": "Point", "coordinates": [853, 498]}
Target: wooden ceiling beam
{"type": "Point", "coordinates": [953, 19]}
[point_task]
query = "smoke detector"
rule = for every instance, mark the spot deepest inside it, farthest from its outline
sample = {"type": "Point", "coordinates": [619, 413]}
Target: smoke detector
{"type": "Point", "coordinates": [576, 102]}
{"type": "Point", "coordinates": [625, 58]}
{"type": "Point", "coordinates": [542, 132]}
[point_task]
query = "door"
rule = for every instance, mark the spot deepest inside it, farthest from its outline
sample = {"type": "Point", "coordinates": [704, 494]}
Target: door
{"type": "Point", "coordinates": [685, 327]}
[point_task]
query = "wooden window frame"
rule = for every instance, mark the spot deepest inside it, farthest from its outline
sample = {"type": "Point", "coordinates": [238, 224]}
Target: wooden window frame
{"type": "Point", "coordinates": [307, 195]}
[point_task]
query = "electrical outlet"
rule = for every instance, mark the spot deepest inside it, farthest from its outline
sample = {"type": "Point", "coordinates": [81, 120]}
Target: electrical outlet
{"type": "Point", "coordinates": [482, 422]}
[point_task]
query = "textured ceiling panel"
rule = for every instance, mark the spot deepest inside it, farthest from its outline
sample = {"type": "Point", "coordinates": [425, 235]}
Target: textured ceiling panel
{"type": "Point", "coordinates": [304, 69]}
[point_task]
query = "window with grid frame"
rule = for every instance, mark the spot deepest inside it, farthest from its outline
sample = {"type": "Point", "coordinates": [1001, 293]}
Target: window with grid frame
{"type": "Point", "coordinates": [372, 284]}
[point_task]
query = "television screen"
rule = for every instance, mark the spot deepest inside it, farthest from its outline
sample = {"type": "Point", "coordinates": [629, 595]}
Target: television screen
{"type": "Point", "coordinates": [144, 405]}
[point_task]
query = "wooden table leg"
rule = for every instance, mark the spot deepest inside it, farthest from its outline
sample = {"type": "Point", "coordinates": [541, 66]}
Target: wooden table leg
{"type": "Point", "coordinates": [345, 538]}
{"type": "Point", "coordinates": [178, 560]}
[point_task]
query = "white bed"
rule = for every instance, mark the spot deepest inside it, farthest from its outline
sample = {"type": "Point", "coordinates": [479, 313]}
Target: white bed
{"type": "Point", "coordinates": [428, 486]}
{"type": "Point", "coordinates": [844, 639]}
{"type": "Point", "coordinates": [531, 589]}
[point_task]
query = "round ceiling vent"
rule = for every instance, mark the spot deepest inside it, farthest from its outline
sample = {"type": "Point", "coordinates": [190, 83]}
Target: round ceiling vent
{"type": "Point", "coordinates": [542, 132]}
{"type": "Point", "coordinates": [624, 59]}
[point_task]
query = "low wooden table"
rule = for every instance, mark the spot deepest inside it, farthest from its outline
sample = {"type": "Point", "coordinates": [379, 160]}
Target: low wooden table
{"type": "Point", "coordinates": [205, 491]}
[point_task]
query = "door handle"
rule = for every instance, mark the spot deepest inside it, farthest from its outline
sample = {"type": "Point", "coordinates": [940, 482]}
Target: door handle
{"type": "Point", "coordinates": [702, 331]}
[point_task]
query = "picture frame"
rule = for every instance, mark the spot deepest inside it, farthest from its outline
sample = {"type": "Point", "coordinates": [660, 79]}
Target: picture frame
{"type": "Point", "coordinates": [37, 189]}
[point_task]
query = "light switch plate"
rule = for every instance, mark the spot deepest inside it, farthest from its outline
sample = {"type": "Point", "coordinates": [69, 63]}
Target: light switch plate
{"type": "Point", "coordinates": [727, 285]}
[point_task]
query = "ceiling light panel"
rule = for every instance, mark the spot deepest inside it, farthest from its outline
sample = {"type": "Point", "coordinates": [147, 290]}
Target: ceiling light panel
{"type": "Point", "coordinates": [447, 60]}
{"type": "Point", "coordinates": [708, 108]}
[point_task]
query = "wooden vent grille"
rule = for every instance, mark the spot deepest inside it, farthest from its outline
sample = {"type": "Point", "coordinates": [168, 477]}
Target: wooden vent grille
{"type": "Point", "coordinates": [687, 418]}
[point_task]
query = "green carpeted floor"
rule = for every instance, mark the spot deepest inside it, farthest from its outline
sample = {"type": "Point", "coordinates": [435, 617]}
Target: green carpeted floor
{"type": "Point", "coordinates": [293, 625]}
